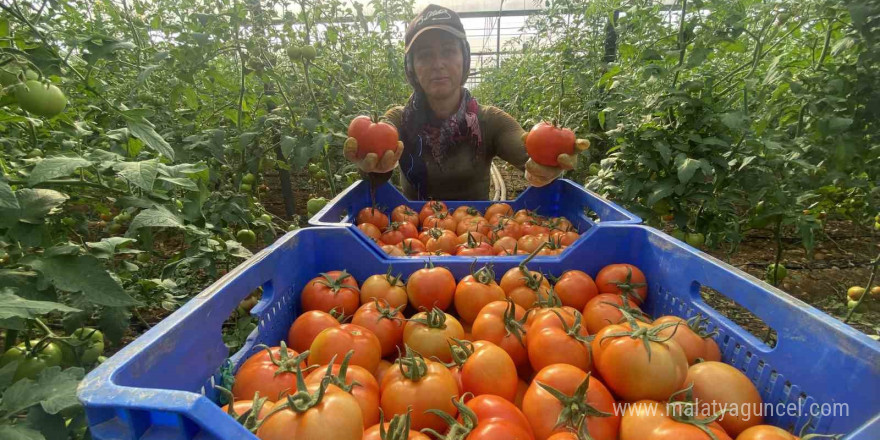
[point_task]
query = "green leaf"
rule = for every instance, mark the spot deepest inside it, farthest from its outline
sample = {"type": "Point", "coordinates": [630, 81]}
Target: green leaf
{"type": "Point", "coordinates": [54, 390]}
{"type": "Point", "coordinates": [7, 373]}
{"type": "Point", "coordinates": [661, 191]}
{"type": "Point", "coordinates": [52, 167]}
{"type": "Point", "coordinates": [33, 206]}
{"type": "Point", "coordinates": [686, 168]}
{"type": "Point", "coordinates": [106, 248]}
{"type": "Point", "coordinates": [104, 47]}
{"type": "Point", "coordinates": [82, 273]}
{"type": "Point", "coordinates": [19, 432]}
{"type": "Point", "coordinates": [143, 130]}
{"type": "Point", "coordinates": [235, 249]}
{"type": "Point", "coordinates": [14, 306]}
{"type": "Point", "coordinates": [663, 148]}
{"type": "Point", "coordinates": [156, 217]}
{"type": "Point", "coordinates": [734, 120]}
{"type": "Point", "coordinates": [113, 322]}
{"type": "Point", "coordinates": [52, 426]}
{"type": "Point", "coordinates": [7, 197]}
{"type": "Point", "coordinates": [142, 174]}
{"type": "Point", "coordinates": [183, 182]}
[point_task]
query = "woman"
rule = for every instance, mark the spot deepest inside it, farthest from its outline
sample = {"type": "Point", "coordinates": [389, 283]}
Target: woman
{"type": "Point", "coordinates": [448, 139]}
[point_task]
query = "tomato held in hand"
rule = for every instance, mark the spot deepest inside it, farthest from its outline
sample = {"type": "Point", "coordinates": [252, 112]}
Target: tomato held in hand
{"type": "Point", "coordinates": [545, 142]}
{"type": "Point", "coordinates": [372, 137]}
{"type": "Point", "coordinates": [563, 397]}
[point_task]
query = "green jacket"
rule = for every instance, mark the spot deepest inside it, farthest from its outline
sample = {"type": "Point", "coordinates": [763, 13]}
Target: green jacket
{"type": "Point", "coordinates": [464, 176]}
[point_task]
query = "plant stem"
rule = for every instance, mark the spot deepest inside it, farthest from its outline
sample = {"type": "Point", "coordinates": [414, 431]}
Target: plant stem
{"type": "Point", "coordinates": [866, 292]}
{"type": "Point", "coordinates": [827, 43]}
{"type": "Point", "coordinates": [778, 236]}
{"type": "Point", "coordinates": [42, 325]}
{"type": "Point", "coordinates": [682, 45]}
{"type": "Point", "coordinates": [11, 338]}
{"type": "Point", "coordinates": [70, 182]}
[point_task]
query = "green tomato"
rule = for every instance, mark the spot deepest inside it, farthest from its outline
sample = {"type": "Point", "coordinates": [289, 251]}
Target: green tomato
{"type": "Point", "coordinates": [36, 152]}
{"type": "Point", "coordinates": [315, 205]}
{"type": "Point", "coordinates": [321, 175]}
{"type": "Point", "coordinates": [114, 228]}
{"type": "Point", "coordinates": [246, 236]}
{"type": "Point", "coordinates": [31, 364]}
{"type": "Point", "coordinates": [102, 359]}
{"type": "Point", "coordinates": [851, 304]}
{"type": "Point", "coordinates": [244, 187]}
{"type": "Point", "coordinates": [292, 228]}
{"type": "Point", "coordinates": [294, 53]}
{"type": "Point", "coordinates": [123, 217]}
{"type": "Point", "coordinates": [679, 234]}
{"type": "Point", "coordinates": [695, 239]}
{"type": "Point", "coordinates": [86, 344]}
{"type": "Point", "coordinates": [309, 52]}
{"type": "Point", "coordinates": [68, 221]}
{"type": "Point", "coordinates": [143, 257]}
{"type": "Point", "coordinates": [781, 273]}
{"type": "Point", "coordinates": [40, 99]}
{"type": "Point", "coordinates": [314, 168]}
{"type": "Point", "coordinates": [877, 226]}
{"type": "Point", "coordinates": [248, 178]}
{"type": "Point", "coordinates": [661, 207]}
{"type": "Point", "coordinates": [266, 218]}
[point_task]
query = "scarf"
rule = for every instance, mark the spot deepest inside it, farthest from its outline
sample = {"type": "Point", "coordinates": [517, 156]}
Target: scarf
{"type": "Point", "coordinates": [425, 134]}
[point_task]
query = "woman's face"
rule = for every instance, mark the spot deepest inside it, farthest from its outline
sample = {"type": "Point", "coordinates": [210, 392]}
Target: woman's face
{"type": "Point", "coordinates": [438, 63]}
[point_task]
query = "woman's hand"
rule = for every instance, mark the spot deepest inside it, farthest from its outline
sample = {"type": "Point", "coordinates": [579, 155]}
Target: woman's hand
{"type": "Point", "coordinates": [541, 175]}
{"type": "Point", "coordinates": [371, 162]}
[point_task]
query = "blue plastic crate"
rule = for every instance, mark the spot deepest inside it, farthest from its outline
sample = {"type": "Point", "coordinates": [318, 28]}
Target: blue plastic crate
{"type": "Point", "coordinates": [160, 385]}
{"type": "Point", "coordinates": [562, 198]}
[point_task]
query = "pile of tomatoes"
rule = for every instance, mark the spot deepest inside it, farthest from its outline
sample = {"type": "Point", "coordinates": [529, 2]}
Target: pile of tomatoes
{"type": "Point", "coordinates": [524, 356]}
{"type": "Point", "coordinates": [465, 231]}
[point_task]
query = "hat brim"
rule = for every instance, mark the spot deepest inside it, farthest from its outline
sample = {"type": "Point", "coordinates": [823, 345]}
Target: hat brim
{"type": "Point", "coordinates": [455, 32]}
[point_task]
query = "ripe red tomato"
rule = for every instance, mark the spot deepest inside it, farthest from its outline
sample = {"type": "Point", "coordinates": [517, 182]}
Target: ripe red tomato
{"type": "Point", "coordinates": [392, 236]}
{"type": "Point", "coordinates": [430, 333]}
{"type": "Point", "coordinates": [370, 230]}
{"type": "Point", "coordinates": [575, 289]}
{"type": "Point", "coordinates": [355, 380]}
{"type": "Point", "coordinates": [488, 369]}
{"type": "Point", "coordinates": [766, 432]}
{"type": "Point", "coordinates": [555, 345]}
{"type": "Point", "coordinates": [272, 375]}
{"type": "Point", "coordinates": [648, 419]}
{"type": "Point", "coordinates": [441, 220]}
{"type": "Point", "coordinates": [389, 430]}
{"type": "Point", "coordinates": [336, 408]}
{"type": "Point", "coordinates": [372, 137]}
{"type": "Point", "coordinates": [393, 251]}
{"type": "Point", "coordinates": [473, 224]}
{"type": "Point", "coordinates": [475, 236]}
{"type": "Point", "coordinates": [529, 243]}
{"type": "Point", "coordinates": [566, 238]}
{"type": "Point", "coordinates": [385, 322]}
{"type": "Point", "coordinates": [695, 345]}
{"type": "Point", "coordinates": [524, 287]}
{"type": "Point", "coordinates": [601, 312]}
{"type": "Point", "coordinates": [419, 385]}
{"type": "Point", "coordinates": [545, 142]}
{"type": "Point", "coordinates": [504, 245]}
{"type": "Point", "coordinates": [488, 406]}
{"type": "Point", "coordinates": [501, 323]}
{"type": "Point", "coordinates": [723, 386]}
{"type": "Point", "coordinates": [474, 248]}
{"type": "Point", "coordinates": [440, 240]}
{"type": "Point", "coordinates": [534, 230]}
{"type": "Point", "coordinates": [382, 370]}
{"type": "Point", "coordinates": [431, 287]}
{"type": "Point", "coordinates": [338, 341]}
{"type": "Point", "coordinates": [412, 246]}
{"type": "Point", "coordinates": [431, 208]}
{"type": "Point", "coordinates": [620, 278]}
{"type": "Point", "coordinates": [584, 395]}
{"type": "Point", "coordinates": [332, 290]}
{"type": "Point", "coordinates": [498, 209]}
{"type": "Point", "coordinates": [474, 292]}
{"type": "Point", "coordinates": [403, 214]}
{"type": "Point", "coordinates": [384, 287]}
{"type": "Point", "coordinates": [374, 217]}
{"type": "Point", "coordinates": [307, 326]}
{"type": "Point", "coordinates": [506, 228]}
{"type": "Point", "coordinates": [465, 211]}
{"type": "Point", "coordinates": [630, 371]}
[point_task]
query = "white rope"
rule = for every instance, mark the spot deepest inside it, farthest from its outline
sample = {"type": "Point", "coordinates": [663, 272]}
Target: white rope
{"type": "Point", "coordinates": [500, 187]}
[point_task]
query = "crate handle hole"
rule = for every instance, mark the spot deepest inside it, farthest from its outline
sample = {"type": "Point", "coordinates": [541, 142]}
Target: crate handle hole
{"type": "Point", "coordinates": [740, 315]}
